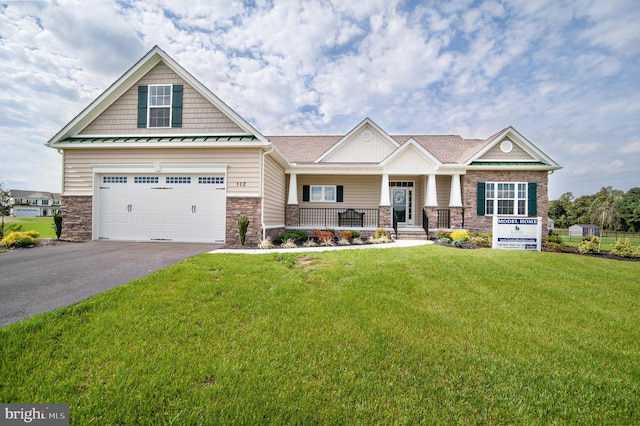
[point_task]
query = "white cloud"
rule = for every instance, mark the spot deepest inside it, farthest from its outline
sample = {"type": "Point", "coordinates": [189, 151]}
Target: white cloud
{"type": "Point", "coordinates": [563, 73]}
{"type": "Point", "coordinates": [630, 148]}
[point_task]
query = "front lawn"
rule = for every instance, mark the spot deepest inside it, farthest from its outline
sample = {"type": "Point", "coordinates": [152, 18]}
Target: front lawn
{"type": "Point", "coordinates": [43, 225]}
{"type": "Point", "coordinates": [392, 336]}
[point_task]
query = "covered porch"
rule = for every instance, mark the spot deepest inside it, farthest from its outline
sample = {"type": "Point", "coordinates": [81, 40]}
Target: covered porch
{"type": "Point", "coordinates": [368, 202]}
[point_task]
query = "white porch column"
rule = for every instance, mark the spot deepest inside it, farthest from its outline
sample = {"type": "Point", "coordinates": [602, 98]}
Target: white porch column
{"type": "Point", "coordinates": [385, 199]}
{"type": "Point", "coordinates": [293, 189]}
{"type": "Point", "coordinates": [432, 192]}
{"type": "Point", "coordinates": [455, 197]}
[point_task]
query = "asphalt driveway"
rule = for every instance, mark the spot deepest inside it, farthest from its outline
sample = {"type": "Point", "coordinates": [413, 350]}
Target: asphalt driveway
{"type": "Point", "coordinates": [41, 279]}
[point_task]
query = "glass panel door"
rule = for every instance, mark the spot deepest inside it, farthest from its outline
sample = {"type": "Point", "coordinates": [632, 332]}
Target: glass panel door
{"type": "Point", "coordinates": [399, 203]}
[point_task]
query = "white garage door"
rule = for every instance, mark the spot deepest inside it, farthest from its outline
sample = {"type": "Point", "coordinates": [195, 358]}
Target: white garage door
{"type": "Point", "coordinates": [161, 207]}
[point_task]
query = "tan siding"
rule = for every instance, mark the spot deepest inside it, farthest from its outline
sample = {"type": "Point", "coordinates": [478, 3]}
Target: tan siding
{"type": "Point", "coordinates": [198, 114]}
{"type": "Point", "coordinates": [358, 150]}
{"type": "Point", "coordinates": [274, 196]}
{"type": "Point", "coordinates": [243, 172]}
{"type": "Point", "coordinates": [443, 188]}
{"type": "Point", "coordinates": [516, 154]}
{"type": "Point", "coordinates": [359, 191]}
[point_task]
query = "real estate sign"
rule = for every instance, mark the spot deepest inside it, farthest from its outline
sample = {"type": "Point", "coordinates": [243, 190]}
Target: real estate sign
{"type": "Point", "coordinates": [517, 233]}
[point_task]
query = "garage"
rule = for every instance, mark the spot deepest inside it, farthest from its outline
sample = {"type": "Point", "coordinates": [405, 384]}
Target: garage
{"type": "Point", "coordinates": [180, 207]}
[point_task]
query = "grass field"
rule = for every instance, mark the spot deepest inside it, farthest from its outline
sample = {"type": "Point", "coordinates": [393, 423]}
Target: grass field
{"type": "Point", "coordinates": [44, 225]}
{"type": "Point", "coordinates": [429, 335]}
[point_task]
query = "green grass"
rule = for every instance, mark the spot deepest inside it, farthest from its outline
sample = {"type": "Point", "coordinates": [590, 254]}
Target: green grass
{"type": "Point", "coordinates": [43, 225]}
{"type": "Point", "coordinates": [399, 336]}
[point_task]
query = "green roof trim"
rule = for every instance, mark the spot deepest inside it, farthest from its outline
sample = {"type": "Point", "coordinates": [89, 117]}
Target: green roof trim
{"type": "Point", "coordinates": [165, 139]}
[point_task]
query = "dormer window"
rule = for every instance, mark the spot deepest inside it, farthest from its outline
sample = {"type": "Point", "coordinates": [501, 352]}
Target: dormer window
{"type": "Point", "coordinates": [160, 106]}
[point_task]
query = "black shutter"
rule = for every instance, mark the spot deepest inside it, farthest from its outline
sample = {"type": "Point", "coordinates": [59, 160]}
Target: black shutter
{"type": "Point", "coordinates": [142, 106]}
{"type": "Point", "coordinates": [305, 193]}
{"type": "Point", "coordinates": [176, 106]}
{"type": "Point", "coordinates": [532, 200]}
{"type": "Point", "coordinates": [481, 199]}
{"type": "Point", "coordinates": [339, 193]}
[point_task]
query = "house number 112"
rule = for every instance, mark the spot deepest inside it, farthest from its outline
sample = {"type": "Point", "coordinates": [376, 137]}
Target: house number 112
{"type": "Point", "coordinates": [241, 183]}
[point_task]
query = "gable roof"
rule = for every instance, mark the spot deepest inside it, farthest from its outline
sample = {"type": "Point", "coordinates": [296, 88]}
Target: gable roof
{"type": "Point", "coordinates": [129, 79]}
{"type": "Point", "coordinates": [20, 193]}
{"type": "Point", "coordinates": [367, 122]}
{"type": "Point", "coordinates": [512, 135]}
{"type": "Point", "coordinates": [447, 150]}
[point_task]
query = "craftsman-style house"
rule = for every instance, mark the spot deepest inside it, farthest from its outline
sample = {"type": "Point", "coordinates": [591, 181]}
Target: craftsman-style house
{"type": "Point", "coordinates": [158, 156]}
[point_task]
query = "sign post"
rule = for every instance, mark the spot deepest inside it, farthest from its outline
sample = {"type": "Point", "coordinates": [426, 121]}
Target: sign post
{"type": "Point", "coordinates": [517, 233]}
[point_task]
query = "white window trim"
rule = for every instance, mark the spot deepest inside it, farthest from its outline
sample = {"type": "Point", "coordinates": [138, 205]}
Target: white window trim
{"type": "Point", "coordinates": [150, 107]}
{"type": "Point", "coordinates": [515, 199]}
{"type": "Point", "coordinates": [323, 193]}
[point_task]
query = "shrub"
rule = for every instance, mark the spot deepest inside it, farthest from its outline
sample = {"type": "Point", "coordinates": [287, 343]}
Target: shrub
{"type": "Point", "coordinates": [355, 234]}
{"type": "Point", "coordinates": [266, 244]}
{"type": "Point", "coordinates": [553, 238]}
{"type": "Point", "coordinates": [357, 241]}
{"type": "Point", "coordinates": [480, 240]}
{"type": "Point", "coordinates": [19, 239]}
{"type": "Point", "coordinates": [588, 245]}
{"type": "Point", "coordinates": [328, 242]}
{"type": "Point", "coordinates": [346, 235]}
{"type": "Point", "coordinates": [622, 248]}
{"type": "Point", "coordinates": [310, 243]}
{"type": "Point", "coordinates": [459, 235]}
{"type": "Point", "coordinates": [298, 236]}
{"type": "Point", "coordinates": [552, 246]}
{"type": "Point", "coordinates": [441, 234]}
{"type": "Point", "coordinates": [243, 225]}
{"type": "Point", "coordinates": [382, 238]}
{"type": "Point", "coordinates": [380, 232]}
{"type": "Point", "coordinates": [344, 242]}
{"type": "Point", "coordinates": [288, 243]}
{"type": "Point", "coordinates": [324, 236]}
{"type": "Point", "coordinates": [444, 240]}
{"type": "Point", "coordinates": [459, 242]}
{"type": "Point", "coordinates": [57, 225]}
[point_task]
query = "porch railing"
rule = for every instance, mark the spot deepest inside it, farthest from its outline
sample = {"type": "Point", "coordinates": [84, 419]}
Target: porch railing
{"type": "Point", "coordinates": [444, 218]}
{"type": "Point", "coordinates": [395, 223]}
{"type": "Point", "coordinates": [425, 222]}
{"type": "Point", "coordinates": [329, 218]}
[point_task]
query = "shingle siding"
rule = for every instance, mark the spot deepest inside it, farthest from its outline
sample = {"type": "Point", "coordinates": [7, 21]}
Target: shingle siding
{"type": "Point", "coordinates": [198, 114]}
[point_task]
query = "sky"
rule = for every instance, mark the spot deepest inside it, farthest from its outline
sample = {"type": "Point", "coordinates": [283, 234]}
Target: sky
{"type": "Point", "coordinates": [565, 74]}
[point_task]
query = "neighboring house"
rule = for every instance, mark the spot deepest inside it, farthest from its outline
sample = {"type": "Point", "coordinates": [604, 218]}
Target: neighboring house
{"type": "Point", "coordinates": [584, 230]}
{"type": "Point", "coordinates": [33, 203]}
{"type": "Point", "coordinates": [158, 156]}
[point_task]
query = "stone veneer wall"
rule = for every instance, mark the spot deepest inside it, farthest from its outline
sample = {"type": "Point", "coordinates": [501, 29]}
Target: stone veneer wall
{"type": "Point", "coordinates": [76, 212]}
{"type": "Point", "coordinates": [252, 208]}
{"type": "Point", "coordinates": [456, 216]}
{"type": "Point", "coordinates": [475, 223]}
{"type": "Point", "coordinates": [384, 220]}
{"type": "Point", "coordinates": [292, 215]}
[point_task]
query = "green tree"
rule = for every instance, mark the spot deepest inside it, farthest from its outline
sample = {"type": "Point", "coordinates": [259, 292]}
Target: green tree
{"type": "Point", "coordinates": [629, 209]}
{"type": "Point", "coordinates": [559, 210]}
{"type": "Point", "coordinates": [581, 209]}
{"type": "Point", "coordinates": [605, 216]}
{"type": "Point", "coordinates": [5, 206]}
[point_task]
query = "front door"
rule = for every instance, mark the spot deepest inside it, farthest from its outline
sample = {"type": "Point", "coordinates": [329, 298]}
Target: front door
{"type": "Point", "coordinates": [402, 204]}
